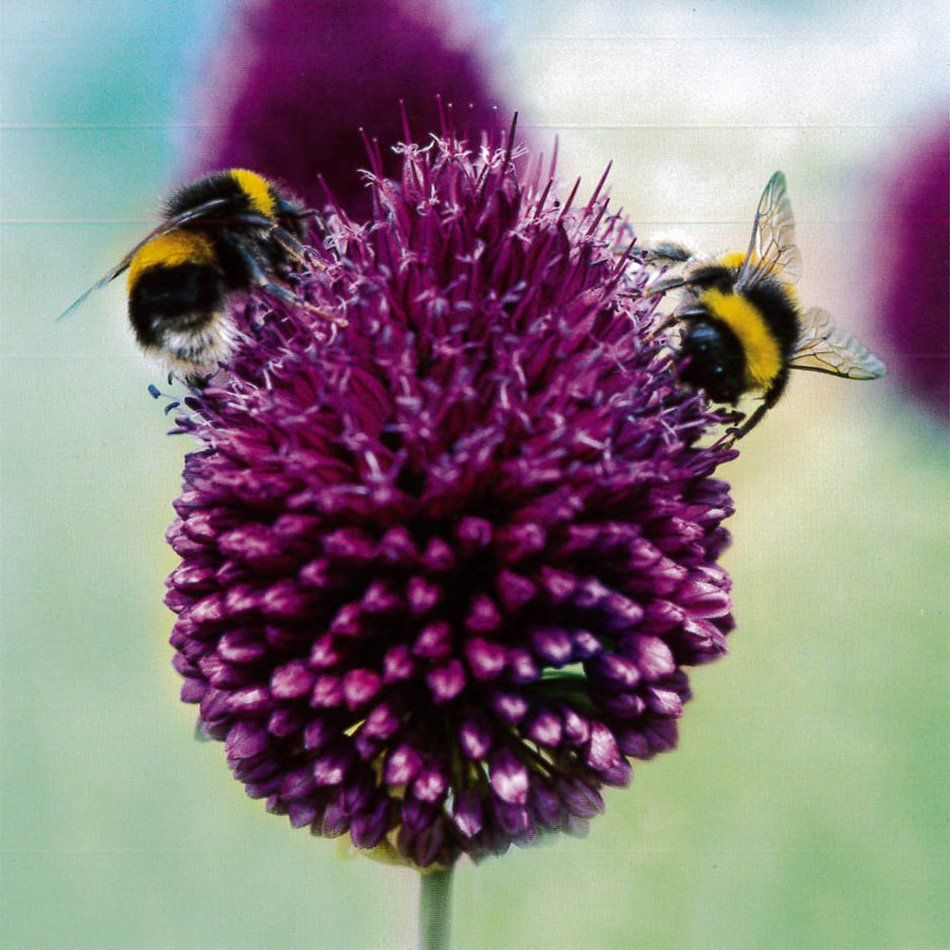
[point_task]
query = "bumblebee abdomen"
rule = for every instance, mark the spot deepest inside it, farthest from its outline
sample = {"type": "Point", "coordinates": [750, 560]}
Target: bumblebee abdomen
{"type": "Point", "coordinates": [760, 329]}
{"type": "Point", "coordinates": [777, 303]}
{"type": "Point", "coordinates": [169, 251]}
{"type": "Point", "coordinates": [174, 299]}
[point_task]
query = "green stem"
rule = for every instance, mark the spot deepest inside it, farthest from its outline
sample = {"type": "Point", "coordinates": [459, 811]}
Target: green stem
{"type": "Point", "coordinates": [435, 909]}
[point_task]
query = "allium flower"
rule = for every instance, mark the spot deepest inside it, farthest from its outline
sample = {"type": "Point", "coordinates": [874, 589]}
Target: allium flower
{"type": "Point", "coordinates": [442, 572]}
{"type": "Point", "coordinates": [916, 267]}
{"type": "Point", "coordinates": [289, 89]}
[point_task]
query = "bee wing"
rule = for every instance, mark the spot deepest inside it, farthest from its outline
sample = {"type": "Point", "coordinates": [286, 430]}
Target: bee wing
{"type": "Point", "coordinates": [170, 224]}
{"type": "Point", "coordinates": [98, 285]}
{"type": "Point", "coordinates": [772, 247]}
{"type": "Point", "coordinates": [824, 348]}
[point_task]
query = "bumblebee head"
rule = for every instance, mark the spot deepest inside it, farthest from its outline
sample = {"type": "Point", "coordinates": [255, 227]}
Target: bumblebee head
{"type": "Point", "coordinates": [289, 212]}
{"type": "Point", "coordinates": [714, 360]}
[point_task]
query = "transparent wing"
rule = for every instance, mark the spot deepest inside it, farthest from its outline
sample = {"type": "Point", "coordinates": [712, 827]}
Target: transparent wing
{"type": "Point", "coordinates": [98, 285]}
{"type": "Point", "coordinates": [824, 348]}
{"type": "Point", "coordinates": [772, 247]}
{"type": "Point", "coordinates": [170, 224]}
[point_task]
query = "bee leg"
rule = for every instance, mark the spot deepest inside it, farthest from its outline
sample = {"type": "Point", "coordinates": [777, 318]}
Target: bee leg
{"type": "Point", "coordinates": [317, 219]}
{"type": "Point", "coordinates": [260, 280]}
{"type": "Point", "coordinates": [739, 432]}
{"type": "Point", "coordinates": [292, 300]}
{"type": "Point", "coordinates": [662, 286]}
{"type": "Point", "coordinates": [770, 399]}
{"type": "Point", "coordinates": [662, 326]}
{"type": "Point", "coordinates": [196, 381]}
{"type": "Point", "coordinates": [283, 237]}
{"type": "Point", "coordinates": [326, 236]}
{"type": "Point", "coordinates": [295, 248]}
{"type": "Point", "coordinates": [669, 249]}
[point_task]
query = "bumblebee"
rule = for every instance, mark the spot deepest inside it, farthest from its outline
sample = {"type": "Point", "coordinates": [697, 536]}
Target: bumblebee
{"type": "Point", "coordinates": [229, 232]}
{"type": "Point", "coordinates": [744, 329]}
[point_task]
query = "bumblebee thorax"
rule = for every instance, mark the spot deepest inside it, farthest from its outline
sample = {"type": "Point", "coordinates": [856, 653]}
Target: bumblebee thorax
{"type": "Point", "coordinates": [733, 260]}
{"type": "Point", "coordinates": [257, 189]}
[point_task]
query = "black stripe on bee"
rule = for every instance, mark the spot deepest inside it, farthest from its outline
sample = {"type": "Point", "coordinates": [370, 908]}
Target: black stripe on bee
{"type": "Point", "coordinates": [176, 298]}
{"type": "Point", "coordinates": [777, 310]}
{"type": "Point", "coordinates": [713, 277]}
{"type": "Point", "coordinates": [222, 185]}
{"type": "Point", "coordinates": [714, 358]}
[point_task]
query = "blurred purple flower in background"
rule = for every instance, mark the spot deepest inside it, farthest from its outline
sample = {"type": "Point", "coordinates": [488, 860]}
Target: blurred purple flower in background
{"type": "Point", "coordinates": [288, 89]}
{"type": "Point", "coordinates": [914, 315]}
{"type": "Point", "coordinates": [441, 572]}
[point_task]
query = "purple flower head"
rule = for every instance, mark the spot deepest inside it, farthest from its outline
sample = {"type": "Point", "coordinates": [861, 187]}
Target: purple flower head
{"type": "Point", "coordinates": [442, 570]}
{"type": "Point", "coordinates": [915, 306]}
{"type": "Point", "coordinates": [295, 80]}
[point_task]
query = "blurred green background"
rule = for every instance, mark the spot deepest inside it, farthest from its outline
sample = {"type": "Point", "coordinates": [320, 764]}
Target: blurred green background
{"type": "Point", "coordinates": [806, 806]}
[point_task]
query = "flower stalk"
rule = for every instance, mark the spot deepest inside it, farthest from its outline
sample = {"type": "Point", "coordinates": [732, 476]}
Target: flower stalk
{"type": "Point", "coordinates": [435, 909]}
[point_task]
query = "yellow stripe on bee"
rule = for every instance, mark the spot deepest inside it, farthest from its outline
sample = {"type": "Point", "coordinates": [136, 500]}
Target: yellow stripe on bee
{"type": "Point", "coordinates": [763, 358]}
{"type": "Point", "coordinates": [258, 190]}
{"type": "Point", "coordinates": [733, 261]}
{"type": "Point", "coordinates": [170, 250]}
